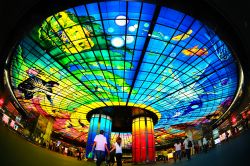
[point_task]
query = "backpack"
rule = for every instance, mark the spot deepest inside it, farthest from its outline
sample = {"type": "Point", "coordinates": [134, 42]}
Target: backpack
{"type": "Point", "coordinates": [190, 144]}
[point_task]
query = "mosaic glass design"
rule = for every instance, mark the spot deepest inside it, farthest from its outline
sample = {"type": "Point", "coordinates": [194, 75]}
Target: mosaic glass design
{"type": "Point", "coordinates": [126, 139]}
{"type": "Point", "coordinates": [119, 53]}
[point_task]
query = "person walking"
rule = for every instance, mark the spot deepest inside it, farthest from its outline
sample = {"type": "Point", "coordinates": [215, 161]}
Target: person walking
{"type": "Point", "coordinates": [100, 144]}
{"type": "Point", "coordinates": [205, 144]}
{"type": "Point", "coordinates": [196, 147]}
{"type": "Point", "coordinates": [188, 145]}
{"type": "Point", "coordinates": [79, 151]}
{"type": "Point", "coordinates": [177, 146]}
{"type": "Point", "coordinates": [118, 151]}
{"type": "Point", "coordinates": [200, 145]}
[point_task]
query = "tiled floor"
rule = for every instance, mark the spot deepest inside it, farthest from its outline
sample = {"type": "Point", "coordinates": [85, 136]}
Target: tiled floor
{"type": "Point", "coordinates": [15, 151]}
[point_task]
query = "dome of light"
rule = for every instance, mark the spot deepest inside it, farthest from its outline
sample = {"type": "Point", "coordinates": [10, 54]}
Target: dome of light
{"type": "Point", "coordinates": [118, 53]}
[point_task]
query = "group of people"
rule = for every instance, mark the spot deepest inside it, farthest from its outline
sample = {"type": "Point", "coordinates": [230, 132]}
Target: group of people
{"type": "Point", "coordinates": [80, 153]}
{"type": "Point", "coordinates": [59, 147]}
{"type": "Point", "coordinates": [189, 147]}
{"type": "Point", "coordinates": [100, 145]}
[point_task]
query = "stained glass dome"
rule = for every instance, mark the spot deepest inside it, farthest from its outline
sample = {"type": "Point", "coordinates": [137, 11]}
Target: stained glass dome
{"type": "Point", "coordinates": [119, 53]}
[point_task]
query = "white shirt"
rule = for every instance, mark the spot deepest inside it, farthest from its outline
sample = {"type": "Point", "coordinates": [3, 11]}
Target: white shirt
{"type": "Point", "coordinates": [186, 143]}
{"type": "Point", "coordinates": [100, 142]}
{"type": "Point", "coordinates": [199, 143]}
{"type": "Point", "coordinates": [118, 149]}
{"type": "Point", "coordinates": [177, 146]}
{"type": "Point", "coordinates": [204, 141]}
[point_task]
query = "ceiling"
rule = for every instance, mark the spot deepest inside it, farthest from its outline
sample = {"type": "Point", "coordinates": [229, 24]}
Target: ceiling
{"type": "Point", "coordinates": [152, 68]}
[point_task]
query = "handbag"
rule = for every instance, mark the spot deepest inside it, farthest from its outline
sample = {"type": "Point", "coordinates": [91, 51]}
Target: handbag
{"type": "Point", "coordinates": [90, 155]}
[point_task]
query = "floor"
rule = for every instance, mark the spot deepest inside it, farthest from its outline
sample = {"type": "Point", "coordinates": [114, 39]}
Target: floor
{"type": "Point", "coordinates": [15, 151]}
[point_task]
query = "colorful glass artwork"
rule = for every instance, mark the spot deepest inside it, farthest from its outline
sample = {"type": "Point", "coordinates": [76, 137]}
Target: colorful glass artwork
{"type": "Point", "coordinates": [113, 53]}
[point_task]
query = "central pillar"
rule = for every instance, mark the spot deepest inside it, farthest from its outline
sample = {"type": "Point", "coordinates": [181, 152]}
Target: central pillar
{"type": "Point", "coordinates": [98, 122]}
{"type": "Point", "coordinates": [143, 142]}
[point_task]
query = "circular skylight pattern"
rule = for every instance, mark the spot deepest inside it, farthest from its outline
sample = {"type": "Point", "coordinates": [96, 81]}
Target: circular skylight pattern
{"type": "Point", "coordinates": [117, 42]}
{"type": "Point", "coordinates": [132, 28]}
{"type": "Point", "coordinates": [121, 20]}
{"type": "Point", "coordinates": [110, 30]}
{"type": "Point", "coordinates": [91, 56]}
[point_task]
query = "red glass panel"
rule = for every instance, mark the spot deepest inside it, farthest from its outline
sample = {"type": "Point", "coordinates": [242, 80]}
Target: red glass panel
{"type": "Point", "coordinates": [143, 140]}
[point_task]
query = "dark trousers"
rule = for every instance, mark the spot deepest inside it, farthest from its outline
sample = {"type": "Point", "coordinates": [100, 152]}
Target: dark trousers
{"type": "Point", "coordinates": [99, 156]}
{"type": "Point", "coordinates": [188, 154]}
{"type": "Point", "coordinates": [178, 155]}
{"type": "Point", "coordinates": [205, 148]}
{"type": "Point", "coordinates": [79, 157]}
{"type": "Point", "coordinates": [164, 158]}
{"type": "Point", "coordinates": [118, 157]}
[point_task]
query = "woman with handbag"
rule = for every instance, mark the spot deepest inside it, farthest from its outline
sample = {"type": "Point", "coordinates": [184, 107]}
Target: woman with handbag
{"type": "Point", "coordinates": [118, 151]}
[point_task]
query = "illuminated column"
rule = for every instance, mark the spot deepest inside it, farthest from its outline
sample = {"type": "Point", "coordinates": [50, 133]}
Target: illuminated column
{"type": "Point", "coordinates": [98, 122]}
{"type": "Point", "coordinates": [143, 142]}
